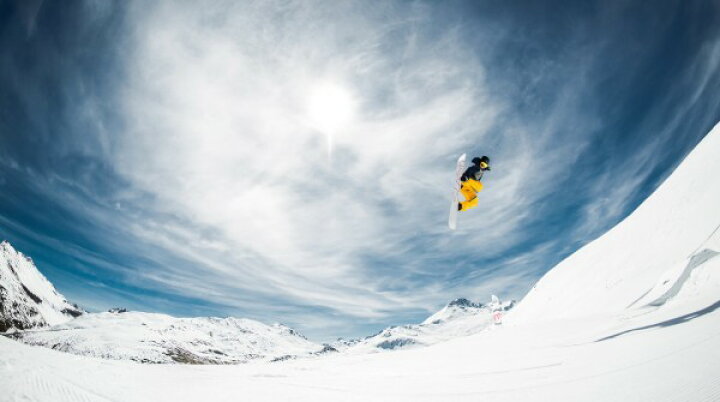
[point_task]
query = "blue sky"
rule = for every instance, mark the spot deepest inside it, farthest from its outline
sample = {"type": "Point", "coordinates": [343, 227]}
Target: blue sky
{"type": "Point", "coordinates": [291, 161]}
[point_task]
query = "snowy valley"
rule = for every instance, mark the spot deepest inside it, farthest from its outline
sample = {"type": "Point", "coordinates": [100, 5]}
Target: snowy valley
{"type": "Point", "coordinates": [159, 338]}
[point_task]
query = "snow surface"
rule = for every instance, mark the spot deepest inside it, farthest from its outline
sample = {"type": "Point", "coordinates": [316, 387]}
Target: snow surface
{"type": "Point", "coordinates": [27, 298]}
{"type": "Point", "coordinates": [630, 317]}
{"type": "Point", "coordinates": [535, 362]}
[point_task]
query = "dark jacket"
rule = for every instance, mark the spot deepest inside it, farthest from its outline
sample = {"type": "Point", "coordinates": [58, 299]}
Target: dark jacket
{"type": "Point", "coordinates": [474, 172]}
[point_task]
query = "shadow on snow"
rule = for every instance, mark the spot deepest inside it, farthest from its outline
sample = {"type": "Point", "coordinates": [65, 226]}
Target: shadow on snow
{"type": "Point", "coordinates": [668, 323]}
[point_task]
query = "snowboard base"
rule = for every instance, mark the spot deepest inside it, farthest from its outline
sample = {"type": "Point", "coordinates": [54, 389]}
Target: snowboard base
{"type": "Point", "coordinates": [459, 169]}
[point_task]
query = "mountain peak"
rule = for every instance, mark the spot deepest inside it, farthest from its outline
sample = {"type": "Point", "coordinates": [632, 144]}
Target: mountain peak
{"type": "Point", "coordinates": [27, 298]}
{"type": "Point", "coordinates": [463, 302]}
{"type": "Point", "coordinates": [6, 247]}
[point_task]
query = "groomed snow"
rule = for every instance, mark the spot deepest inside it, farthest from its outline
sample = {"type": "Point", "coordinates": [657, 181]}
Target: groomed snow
{"type": "Point", "coordinates": [540, 362]}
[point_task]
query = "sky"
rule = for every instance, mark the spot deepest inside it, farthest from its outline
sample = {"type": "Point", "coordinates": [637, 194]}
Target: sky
{"type": "Point", "coordinates": [292, 161]}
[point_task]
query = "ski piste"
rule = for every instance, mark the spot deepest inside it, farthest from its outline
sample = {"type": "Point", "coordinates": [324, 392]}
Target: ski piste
{"type": "Point", "coordinates": [459, 169]}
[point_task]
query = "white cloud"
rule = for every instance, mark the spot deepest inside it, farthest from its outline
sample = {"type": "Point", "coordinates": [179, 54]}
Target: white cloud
{"type": "Point", "coordinates": [291, 159]}
{"type": "Point", "coordinates": [218, 131]}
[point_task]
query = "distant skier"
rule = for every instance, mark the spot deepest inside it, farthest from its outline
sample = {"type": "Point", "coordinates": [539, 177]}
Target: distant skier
{"type": "Point", "coordinates": [471, 184]}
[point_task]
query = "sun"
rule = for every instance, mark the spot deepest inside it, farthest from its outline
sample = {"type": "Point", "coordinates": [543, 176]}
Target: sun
{"type": "Point", "coordinates": [330, 108]}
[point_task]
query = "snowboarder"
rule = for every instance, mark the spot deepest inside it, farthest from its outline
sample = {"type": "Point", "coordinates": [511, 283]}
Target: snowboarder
{"type": "Point", "coordinates": [471, 184]}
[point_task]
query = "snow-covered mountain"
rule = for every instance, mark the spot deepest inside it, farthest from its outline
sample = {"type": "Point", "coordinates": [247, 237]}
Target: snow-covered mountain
{"type": "Point", "coordinates": [160, 338]}
{"type": "Point", "coordinates": [665, 253]}
{"type": "Point", "coordinates": [27, 298]}
{"type": "Point", "coordinates": [460, 317]}
{"type": "Point", "coordinates": [28, 301]}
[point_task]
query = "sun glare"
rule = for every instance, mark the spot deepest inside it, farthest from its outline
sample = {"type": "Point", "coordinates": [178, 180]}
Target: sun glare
{"type": "Point", "coordinates": [330, 108]}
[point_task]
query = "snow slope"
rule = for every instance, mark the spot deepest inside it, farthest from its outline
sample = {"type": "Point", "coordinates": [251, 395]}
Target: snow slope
{"type": "Point", "coordinates": [648, 259]}
{"type": "Point", "coordinates": [160, 338]}
{"type": "Point", "coordinates": [27, 298]}
{"type": "Point", "coordinates": [533, 362]}
{"type": "Point", "coordinates": [460, 317]}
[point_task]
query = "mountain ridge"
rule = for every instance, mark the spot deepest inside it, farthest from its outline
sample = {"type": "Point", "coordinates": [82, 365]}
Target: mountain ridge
{"type": "Point", "coordinates": [27, 299]}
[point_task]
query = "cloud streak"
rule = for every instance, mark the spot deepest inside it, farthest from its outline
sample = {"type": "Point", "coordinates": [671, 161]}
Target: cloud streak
{"type": "Point", "coordinates": [219, 134]}
{"type": "Point", "coordinates": [191, 173]}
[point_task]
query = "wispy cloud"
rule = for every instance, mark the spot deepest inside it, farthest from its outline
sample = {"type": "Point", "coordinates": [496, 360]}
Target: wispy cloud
{"type": "Point", "coordinates": [195, 164]}
{"type": "Point", "coordinates": [218, 132]}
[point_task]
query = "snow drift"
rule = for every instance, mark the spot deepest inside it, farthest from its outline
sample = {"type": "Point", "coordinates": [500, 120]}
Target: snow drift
{"type": "Point", "coordinates": [665, 251]}
{"type": "Point", "coordinates": [27, 298]}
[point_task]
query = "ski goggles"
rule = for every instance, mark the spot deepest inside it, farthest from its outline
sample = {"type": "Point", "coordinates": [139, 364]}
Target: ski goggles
{"type": "Point", "coordinates": [484, 165]}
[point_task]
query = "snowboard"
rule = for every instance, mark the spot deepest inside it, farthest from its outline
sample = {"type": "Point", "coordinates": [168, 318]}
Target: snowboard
{"type": "Point", "coordinates": [496, 310]}
{"type": "Point", "coordinates": [459, 169]}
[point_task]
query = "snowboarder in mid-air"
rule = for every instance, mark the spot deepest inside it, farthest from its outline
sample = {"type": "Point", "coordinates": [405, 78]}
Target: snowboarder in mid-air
{"type": "Point", "coordinates": [471, 184]}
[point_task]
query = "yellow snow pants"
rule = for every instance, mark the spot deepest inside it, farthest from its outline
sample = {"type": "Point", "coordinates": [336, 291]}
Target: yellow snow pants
{"type": "Point", "coordinates": [469, 189]}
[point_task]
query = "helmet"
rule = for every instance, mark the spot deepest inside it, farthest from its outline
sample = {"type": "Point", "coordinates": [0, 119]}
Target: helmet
{"type": "Point", "coordinates": [484, 158]}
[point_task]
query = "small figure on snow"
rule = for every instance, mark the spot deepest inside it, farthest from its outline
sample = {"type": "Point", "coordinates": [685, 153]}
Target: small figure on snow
{"type": "Point", "coordinates": [471, 184]}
